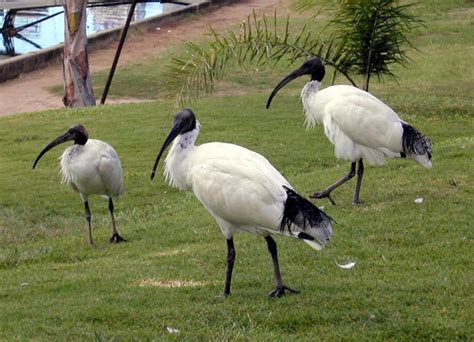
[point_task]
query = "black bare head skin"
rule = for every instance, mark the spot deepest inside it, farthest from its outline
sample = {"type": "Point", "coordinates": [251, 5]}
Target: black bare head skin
{"type": "Point", "coordinates": [313, 67]}
{"type": "Point", "coordinates": [78, 133]}
{"type": "Point", "coordinates": [184, 121]}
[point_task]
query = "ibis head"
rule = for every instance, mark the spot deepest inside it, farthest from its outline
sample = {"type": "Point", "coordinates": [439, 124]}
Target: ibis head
{"type": "Point", "coordinates": [313, 67]}
{"type": "Point", "coordinates": [78, 133]}
{"type": "Point", "coordinates": [184, 121]}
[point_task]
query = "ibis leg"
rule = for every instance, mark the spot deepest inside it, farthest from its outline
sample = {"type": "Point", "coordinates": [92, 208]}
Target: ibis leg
{"type": "Point", "coordinates": [326, 193]}
{"type": "Point", "coordinates": [280, 288]}
{"type": "Point", "coordinates": [230, 265]}
{"type": "Point", "coordinates": [89, 224]}
{"type": "Point", "coordinates": [115, 235]}
{"type": "Point", "coordinates": [360, 175]}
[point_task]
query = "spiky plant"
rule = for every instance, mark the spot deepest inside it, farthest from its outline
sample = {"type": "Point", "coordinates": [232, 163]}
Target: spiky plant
{"type": "Point", "coordinates": [367, 38]}
{"type": "Point", "coordinates": [374, 35]}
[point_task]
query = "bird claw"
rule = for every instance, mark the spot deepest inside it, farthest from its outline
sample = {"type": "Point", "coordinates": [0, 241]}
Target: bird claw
{"type": "Point", "coordinates": [280, 291]}
{"type": "Point", "coordinates": [323, 194]}
{"type": "Point", "coordinates": [117, 239]}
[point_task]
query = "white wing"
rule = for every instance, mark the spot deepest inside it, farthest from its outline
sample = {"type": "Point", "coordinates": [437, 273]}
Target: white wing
{"type": "Point", "coordinates": [94, 168]}
{"type": "Point", "coordinates": [359, 124]}
{"type": "Point", "coordinates": [238, 185]}
{"type": "Point", "coordinates": [110, 170]}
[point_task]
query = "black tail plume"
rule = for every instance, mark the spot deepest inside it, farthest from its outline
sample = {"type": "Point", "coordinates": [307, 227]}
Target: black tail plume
{"type": "Point", "coordinates": [416, 144]}
{"type": "Point", "coordinates": [302, 213]}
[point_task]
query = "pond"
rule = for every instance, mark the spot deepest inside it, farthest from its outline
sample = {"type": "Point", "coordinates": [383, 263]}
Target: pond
{"type": "Point", "coordinates": [51, 31]}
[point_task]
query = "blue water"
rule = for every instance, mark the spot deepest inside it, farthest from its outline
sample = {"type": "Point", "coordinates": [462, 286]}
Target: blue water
{"type": "Point", "coordinates": [51, 32]}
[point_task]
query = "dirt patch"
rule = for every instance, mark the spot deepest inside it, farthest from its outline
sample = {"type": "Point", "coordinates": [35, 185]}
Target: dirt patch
{"type": "Point", "coordinates": [171, 283]}
{"type": "Point", "coordinates": [169, 253]}
{"type": "Point", "coordinates": [29, 92]}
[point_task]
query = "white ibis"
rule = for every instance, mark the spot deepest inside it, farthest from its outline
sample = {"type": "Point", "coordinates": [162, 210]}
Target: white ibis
{"type": "Point", "coordinates": [358, 124]}
{"type": "Point", "coordinates": [91, 167]}
{"type": "Point", "coordinates": [242, 191]}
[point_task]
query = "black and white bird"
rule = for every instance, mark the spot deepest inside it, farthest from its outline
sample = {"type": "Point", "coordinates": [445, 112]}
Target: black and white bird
{"type": "Point", "coordinates": [91, 167]}
{"type": "Point", "coordinates": [242, 191]}
{"type": "Point", "coordinates": [359, 125]}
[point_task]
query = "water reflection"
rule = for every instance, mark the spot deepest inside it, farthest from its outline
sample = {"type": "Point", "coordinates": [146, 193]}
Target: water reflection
{"type": "Point", "coordinates": [51, 31]}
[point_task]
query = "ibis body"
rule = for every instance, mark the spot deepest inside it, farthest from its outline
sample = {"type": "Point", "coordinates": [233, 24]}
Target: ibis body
{"type": "Point", "coordinates": [91, 167]}
{"type": "Point", "coordinates": [359, 125]}
{"type": "Point", "coordinates": [242, 191]}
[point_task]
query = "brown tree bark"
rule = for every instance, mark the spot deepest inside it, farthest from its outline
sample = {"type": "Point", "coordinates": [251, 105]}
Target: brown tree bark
{"type": "Point", "coordinates": [78, 90]}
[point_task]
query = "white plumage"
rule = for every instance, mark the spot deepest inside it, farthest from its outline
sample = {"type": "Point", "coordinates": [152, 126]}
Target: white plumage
{"type": "Point", "coordinates": [91, 167]}
{"type": "Point", "coordinates": [241, 190]}
{"type": "Point", "coordinates": [359, 125]}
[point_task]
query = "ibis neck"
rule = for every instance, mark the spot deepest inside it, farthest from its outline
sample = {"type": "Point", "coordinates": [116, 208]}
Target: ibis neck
{"type": "Point", "coordinates": [310, 89]}
{"type": "Point", "coordinates": [308, 96]}
{"type": "Point", "coordinates": [81, 140]}
{"type": "Point", "coordinates": [186, 140]}
{"type": "Point", "coordinates": [177, 161]}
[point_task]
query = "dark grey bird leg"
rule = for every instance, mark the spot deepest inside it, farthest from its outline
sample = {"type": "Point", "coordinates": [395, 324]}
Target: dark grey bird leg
{"type": "Point", "coordinates": [88, 218]}
{"type": "Point", "coordinates": [326, 193]}
{"type": "Point", "coordinates": [360, 175]}
{"type": "Point", "coordinates": [280, 288]}
{"type": "Point", "coordinates": [115, 235]}
{"type": "Point", "coordinates": [230, 265]}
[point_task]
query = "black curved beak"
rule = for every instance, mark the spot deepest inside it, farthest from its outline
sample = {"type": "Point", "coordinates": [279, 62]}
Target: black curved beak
{"type": "Point", "coordinates": [175, 131]}
{"type": "Point", "coordinates": [295, 74]}
{"type": "Point", "coordinates": [59, 140]}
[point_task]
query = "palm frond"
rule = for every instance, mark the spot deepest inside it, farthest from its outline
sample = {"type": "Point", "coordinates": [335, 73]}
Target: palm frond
{"type": "Point", "coordinates": [367, 38]}
{"type": "Point", "coordinates": [257, 41]}
{"type": "Point", "coordinates": [373, 32]}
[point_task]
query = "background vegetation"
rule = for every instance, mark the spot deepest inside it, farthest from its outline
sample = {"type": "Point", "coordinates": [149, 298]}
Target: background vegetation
{"type": "Point", "coordinates": [413, 277]}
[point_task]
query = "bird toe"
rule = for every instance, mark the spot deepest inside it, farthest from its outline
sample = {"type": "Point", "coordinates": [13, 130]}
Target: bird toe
{"type": "Point", "coordinates": [117, 239]}
{"type": "Point", "coordinates": [323, 194]}
{"type": "Point", "coordinates": [280, 291]}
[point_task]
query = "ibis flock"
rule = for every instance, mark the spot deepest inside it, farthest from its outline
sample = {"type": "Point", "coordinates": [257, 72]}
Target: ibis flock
{"type": "Point", "coordinates": [240, 188]}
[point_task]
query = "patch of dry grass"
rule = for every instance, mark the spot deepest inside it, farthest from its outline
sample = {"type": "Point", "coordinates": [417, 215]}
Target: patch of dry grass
{"type": "Point", "coordinates": [176, 283]}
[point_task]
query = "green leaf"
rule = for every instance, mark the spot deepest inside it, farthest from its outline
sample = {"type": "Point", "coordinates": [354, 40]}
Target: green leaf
{"type": "Point", "coordinates": [366, 39]}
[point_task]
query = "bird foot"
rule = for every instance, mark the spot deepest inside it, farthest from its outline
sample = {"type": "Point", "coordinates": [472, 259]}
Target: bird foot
{"type": "Point", "coordinates": [116, 238]}
{"type": "Point", "coordinates": [280, 291]}
{"type": "Point", "coordinates": [323, 194]}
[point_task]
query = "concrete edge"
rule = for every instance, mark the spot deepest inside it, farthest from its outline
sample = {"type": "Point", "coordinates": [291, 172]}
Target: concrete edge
{"type": "Point", "coordinates": [14, 66]}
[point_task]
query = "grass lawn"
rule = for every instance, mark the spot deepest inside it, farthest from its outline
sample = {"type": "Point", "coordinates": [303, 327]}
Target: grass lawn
{"type": "Point", "coordinates": [413, 278]}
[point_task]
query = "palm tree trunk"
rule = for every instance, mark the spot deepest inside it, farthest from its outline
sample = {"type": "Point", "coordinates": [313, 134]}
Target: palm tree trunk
{"type": "Point", "coordinates": [78, 90]}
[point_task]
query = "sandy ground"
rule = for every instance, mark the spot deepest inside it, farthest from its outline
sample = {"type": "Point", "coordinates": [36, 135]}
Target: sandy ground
{"type": "Point", "coordinates": [29, 92]}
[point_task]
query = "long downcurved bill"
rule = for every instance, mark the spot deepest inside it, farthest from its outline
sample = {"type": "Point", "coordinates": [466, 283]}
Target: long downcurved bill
{"type": "Point", "coordinates": [295, 74]}
{"type": "Point", "coordinates": [59, 140]}
{"type": "Point", "coordinates": [169, 139]}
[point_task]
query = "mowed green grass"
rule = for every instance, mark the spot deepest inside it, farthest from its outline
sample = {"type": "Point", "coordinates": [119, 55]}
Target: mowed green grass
{"type": "Point", "coordinates": [413, 278]}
